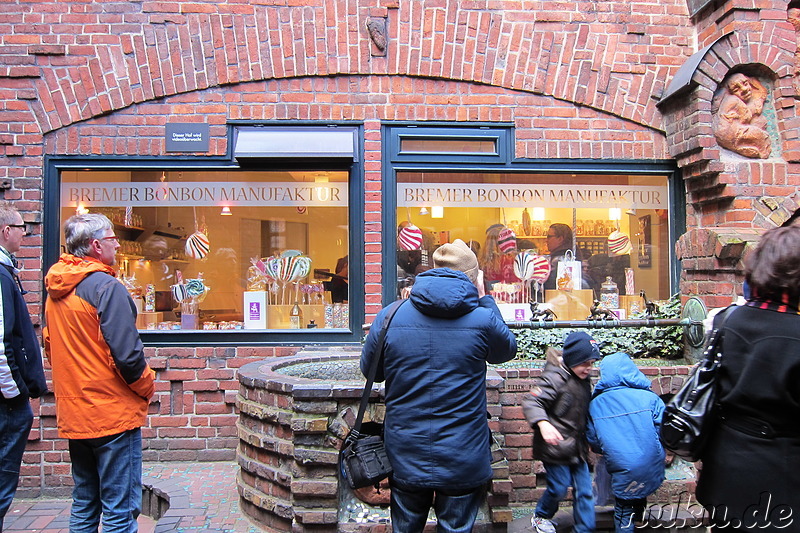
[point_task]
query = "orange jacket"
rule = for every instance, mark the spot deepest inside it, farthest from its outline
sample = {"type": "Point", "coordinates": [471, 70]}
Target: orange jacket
{"type": "Point", "coordinates": [101, 380]}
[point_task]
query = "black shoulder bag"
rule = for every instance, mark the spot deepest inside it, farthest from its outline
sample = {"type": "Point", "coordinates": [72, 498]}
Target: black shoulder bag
{"type": "Point", "coordinates": [691, 415]}
{"type": "Point", "coordinates": [363, 460]}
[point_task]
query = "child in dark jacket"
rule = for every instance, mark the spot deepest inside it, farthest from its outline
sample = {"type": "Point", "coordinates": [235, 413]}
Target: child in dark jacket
{"type": "Point", "coordinates": [624, 420]}
{"type": "Point", "coordinates": [557, 408]}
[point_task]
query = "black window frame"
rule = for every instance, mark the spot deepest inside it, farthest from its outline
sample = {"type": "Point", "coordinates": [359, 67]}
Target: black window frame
{"type": "Point", "coordinates": [392, 165]}
{"type": "Point", "coordinates": [52, 229]}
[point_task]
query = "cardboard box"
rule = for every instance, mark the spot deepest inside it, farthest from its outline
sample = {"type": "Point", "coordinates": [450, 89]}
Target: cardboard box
{"type": "Point", "coordinates": [570, 305]}
{"type": "Point", "coordinates": [278, 316]}
{"type": "Point", "coordinates": [149, 320]}
{"type": "Point", "coordinates": [255, 310]}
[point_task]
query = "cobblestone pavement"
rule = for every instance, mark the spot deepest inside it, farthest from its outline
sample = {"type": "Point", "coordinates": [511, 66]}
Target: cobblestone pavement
{"type": "Point", "coordinates": [209, 503]}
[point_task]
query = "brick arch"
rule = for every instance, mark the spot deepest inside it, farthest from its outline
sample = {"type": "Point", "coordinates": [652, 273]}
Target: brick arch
{"type": "Point", "coordinates": [572, 54]}
{"type": "Point", "coordinates": [545, 127]}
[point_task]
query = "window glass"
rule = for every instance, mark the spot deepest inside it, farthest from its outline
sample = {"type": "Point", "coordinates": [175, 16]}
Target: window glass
{"type": "Point", "coordinates": [521, 226]}
{"type": "Point", "coordinates": [443, 146]}
{"type": "Point", "coordinates": [222, 250]}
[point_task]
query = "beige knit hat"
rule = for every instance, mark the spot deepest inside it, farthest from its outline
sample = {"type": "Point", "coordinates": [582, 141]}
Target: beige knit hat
{"type": "Point", "coordinates": [458, 256]}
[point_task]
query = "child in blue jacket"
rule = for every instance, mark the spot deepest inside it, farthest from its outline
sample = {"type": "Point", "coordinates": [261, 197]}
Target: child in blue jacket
{"type": "Point", "coordinates": [624, 420]}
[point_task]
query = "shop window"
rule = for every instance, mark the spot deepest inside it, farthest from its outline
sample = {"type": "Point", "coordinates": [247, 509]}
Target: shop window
{"type": "Point", "coordinates": [225, 249]}
{"type": "Point", "coordinates": [520, 225]}
{"type": "Point", "coordinates": [459, 145]}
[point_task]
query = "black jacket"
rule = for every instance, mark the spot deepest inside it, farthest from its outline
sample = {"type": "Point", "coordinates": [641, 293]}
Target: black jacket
{"type": "Point", "coordinates": [21, 373]}
{"type": "Point", "coordinates": [562, 399]}
{"type": "Point", "coordinates": [752, 462]}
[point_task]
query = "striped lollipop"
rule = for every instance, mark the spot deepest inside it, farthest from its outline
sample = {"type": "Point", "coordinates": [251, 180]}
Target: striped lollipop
{"type": "Point", "coordinates": [197, 245]}
{"type": "Point", "coordinates": [541, 268]}
{"type": "Point", "coordinates": [506, 240]}
{"type": "Point", "coordinates": [524, 266]}
{"type": "Point", "coordinates": [410, 238]}
{"type": "Point", "coordinates": [619, 243]}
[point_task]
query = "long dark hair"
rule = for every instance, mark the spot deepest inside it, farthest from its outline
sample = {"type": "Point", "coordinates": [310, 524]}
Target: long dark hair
{"type": "Point", "coordinates": [773, 268]}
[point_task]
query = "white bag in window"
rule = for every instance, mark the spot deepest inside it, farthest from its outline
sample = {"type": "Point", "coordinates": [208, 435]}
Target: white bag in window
{"type": "Point", "coordinates": [569, 274]}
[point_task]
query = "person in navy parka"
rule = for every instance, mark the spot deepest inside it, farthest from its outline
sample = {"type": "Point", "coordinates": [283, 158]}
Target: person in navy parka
{"type": "Point", "coordinates": [624, 420]}
{"type": "Point", "coordinates": [436, 431]}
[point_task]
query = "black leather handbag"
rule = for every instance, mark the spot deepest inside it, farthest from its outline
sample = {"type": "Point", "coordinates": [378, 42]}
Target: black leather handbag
{"type": "Point", "coordinates": [363, 460]}
{"type": "Point", "coordinates": [691, 415]}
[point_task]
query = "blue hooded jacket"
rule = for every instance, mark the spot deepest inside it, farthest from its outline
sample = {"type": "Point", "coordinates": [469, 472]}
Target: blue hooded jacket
{"type": "Point", "coordinates": [436, 430]}
{"type": "Point", "coordinates": [624, 419]}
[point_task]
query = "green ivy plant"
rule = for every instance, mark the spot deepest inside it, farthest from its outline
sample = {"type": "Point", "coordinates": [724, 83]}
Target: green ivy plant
{"type": "Point", "coordinates": [664, 343]}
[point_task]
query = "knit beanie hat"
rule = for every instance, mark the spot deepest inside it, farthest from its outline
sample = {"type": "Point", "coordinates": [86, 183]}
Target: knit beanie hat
{"type": "Point", "coordinates": [458, 256]}
{"type": "Point", "coordinates": [579, 347]}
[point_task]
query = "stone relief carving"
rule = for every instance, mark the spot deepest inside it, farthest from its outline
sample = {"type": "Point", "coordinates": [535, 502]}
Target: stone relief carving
{"type": "Point", "coordinates": [738, 122]}
{"type": "Point", "coordinates": [376, 29]}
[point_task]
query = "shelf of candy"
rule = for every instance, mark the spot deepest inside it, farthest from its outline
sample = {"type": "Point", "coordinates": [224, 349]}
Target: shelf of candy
{"type": "Point", "coordinates": [130, 249]}
{"type": "Point", "coordinates": [121, 216]}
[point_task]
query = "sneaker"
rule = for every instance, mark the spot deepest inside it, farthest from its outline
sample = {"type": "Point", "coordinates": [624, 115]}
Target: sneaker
{"type": "Point", "coordinates": [542, 525]}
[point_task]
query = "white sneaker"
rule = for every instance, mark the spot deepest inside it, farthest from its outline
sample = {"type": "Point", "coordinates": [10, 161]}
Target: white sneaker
{"type": "Point", "coordinates": [542, 525]}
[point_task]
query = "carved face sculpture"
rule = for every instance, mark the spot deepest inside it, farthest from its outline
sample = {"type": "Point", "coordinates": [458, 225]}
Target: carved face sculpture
{"type": "Point", "coordinates": [739, 85]}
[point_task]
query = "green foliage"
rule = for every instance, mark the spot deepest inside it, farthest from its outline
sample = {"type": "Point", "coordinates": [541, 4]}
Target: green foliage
{"type": "Point", "coordinates": [652, 342]}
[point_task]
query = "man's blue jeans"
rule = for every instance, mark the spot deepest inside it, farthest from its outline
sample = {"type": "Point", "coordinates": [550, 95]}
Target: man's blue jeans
{"type": "Point", "coordinates": [559, 479]}
{"type": "Point", "coordinates": [455, 510]}
{"type": "Point", "coordinates": [108, 480]}
{"type": "Point", "coordinates": [16, 419]}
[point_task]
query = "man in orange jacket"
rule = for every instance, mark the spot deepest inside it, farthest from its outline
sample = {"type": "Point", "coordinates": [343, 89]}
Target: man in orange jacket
{"type": "Point", "coordinates": [101, 379]}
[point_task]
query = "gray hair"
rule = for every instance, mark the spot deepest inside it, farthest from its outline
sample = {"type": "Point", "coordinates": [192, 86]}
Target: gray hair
{"type": "Point", "coordinates": [81, 230]}
{"type": "Point", "coordinates": [8, 214]}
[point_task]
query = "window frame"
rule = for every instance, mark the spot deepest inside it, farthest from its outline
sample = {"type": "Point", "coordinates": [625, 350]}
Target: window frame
{"type": "Point", "coordinates": [392, 166]}
{"type": "Point", "coordinates": [52, 229]}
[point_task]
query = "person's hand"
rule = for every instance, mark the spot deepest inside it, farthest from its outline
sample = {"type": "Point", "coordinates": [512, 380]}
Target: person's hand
{"type": "Point", "coordinates": [479, 284]}
{"type": "Point", "coordinates": [549, 433]}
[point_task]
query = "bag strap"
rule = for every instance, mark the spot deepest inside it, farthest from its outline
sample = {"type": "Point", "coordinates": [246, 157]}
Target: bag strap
{"type": "Point", "coordinates": [373, 366]}
{"type": "Point", "coordinates": [713, 351]}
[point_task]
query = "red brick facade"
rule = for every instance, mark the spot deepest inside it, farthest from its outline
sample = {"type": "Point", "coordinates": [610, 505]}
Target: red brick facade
{"type": "Point", "coordinates": [578, 79]}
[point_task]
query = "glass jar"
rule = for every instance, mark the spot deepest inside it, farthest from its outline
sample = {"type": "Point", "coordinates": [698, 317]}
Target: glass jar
{"type": "Point", "coordinates": [296, 317]}
{"type": "Point", "coordinates": [609, 294]}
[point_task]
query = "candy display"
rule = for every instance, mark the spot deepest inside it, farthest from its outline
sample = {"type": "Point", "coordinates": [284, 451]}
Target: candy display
{"type": "Point", "coordinates": [275, 273]}
{"type": "Point", "coordinates": [619, 243]}
{"type": "Point", "coordinates": [410, 238]}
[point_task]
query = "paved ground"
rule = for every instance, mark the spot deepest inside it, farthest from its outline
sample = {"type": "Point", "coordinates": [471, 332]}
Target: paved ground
{"type": "Point", "coordinates": [203, 499]}
{"type": "Point", "coordinates": [211, 503]}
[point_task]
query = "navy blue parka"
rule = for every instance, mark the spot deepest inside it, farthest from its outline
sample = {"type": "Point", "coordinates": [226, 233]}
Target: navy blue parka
{"type": "Point", "coordinates": [437, 347]}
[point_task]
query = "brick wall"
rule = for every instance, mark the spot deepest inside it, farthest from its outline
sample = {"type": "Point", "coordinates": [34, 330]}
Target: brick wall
{"type": "Point", "coordinates": [192, 416]}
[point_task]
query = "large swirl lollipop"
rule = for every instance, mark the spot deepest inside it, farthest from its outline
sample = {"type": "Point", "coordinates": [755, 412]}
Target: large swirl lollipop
{"type": "Point", "coordinates": [523, 269]}
{"type": "Point", "coordinates": [523, 266]}
{"type": "Point", "coordinates": [541, 271]}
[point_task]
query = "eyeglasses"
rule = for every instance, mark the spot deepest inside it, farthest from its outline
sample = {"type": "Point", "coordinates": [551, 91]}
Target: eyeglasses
{"type": "Point", "coordinates": [16, 226]}
{"type": "Point", "coordinates": [112, 238]}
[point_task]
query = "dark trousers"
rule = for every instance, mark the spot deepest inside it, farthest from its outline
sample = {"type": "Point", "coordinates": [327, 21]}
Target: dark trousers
{"type": "Point", "coordinates": [455, 510]}
{"type": "Point", "coordinates": [16, 419]}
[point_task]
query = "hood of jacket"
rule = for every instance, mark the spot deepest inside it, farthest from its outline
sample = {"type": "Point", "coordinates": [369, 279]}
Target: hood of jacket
{"type": "Point", "coordinates": [69, 271]}
{"type": "Point", "coordinates": [444, 293]}
{"type": "Point", "coordinates": [619, 370]}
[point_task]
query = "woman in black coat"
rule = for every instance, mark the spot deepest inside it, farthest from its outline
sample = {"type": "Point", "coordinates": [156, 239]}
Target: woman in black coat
{"type": "Point", "coordinates": [750, 477]}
